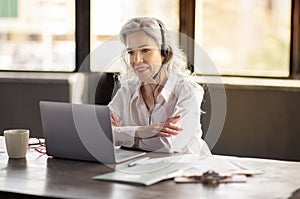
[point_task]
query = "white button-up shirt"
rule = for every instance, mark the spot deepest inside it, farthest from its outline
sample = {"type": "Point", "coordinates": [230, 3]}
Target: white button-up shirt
{"type": "Point", "coordinates": [180, 96]}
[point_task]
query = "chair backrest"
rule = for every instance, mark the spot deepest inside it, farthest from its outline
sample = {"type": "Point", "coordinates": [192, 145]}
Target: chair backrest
{"type": "Point", "coordinates": [107, 87]}
{"type": "Point", "coordinates": [205, 110]}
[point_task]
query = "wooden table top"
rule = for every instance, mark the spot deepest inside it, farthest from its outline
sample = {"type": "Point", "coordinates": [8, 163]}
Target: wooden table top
{"type": "Point", "coordinates": [39, 175]}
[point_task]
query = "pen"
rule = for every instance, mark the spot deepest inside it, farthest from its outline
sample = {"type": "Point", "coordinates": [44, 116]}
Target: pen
{"type": "Point", "coordinates": [137, 161]}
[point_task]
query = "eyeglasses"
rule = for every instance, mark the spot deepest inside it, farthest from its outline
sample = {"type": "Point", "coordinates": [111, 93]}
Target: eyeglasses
{"type": "Point", "coordinates": [38, 145]}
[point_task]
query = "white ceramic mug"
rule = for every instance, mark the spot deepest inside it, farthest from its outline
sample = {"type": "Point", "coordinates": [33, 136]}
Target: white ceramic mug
{"type": "Point", "coordinates": [16, 141]}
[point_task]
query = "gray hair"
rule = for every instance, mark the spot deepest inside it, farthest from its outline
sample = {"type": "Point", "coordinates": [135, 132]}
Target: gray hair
{"type": "Point", "coordinates": [149, 26]}
{"type": "Point", "coordinates": [155, 29]}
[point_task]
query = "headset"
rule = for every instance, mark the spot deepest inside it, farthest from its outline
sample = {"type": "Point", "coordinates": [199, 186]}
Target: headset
{"type": "Point", "coordinates": [164, 48]}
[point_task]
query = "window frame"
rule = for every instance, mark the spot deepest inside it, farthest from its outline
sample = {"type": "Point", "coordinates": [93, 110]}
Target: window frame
{"type": "Point", "coordinates": [82, 34]}
{"type": "Point", "coordinates": [187, 27]}
{"type": "Point", "coordinates": [295, 41]}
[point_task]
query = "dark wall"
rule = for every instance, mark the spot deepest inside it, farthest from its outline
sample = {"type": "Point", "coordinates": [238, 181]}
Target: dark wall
{"type": "Point", "coordinates": [19, 102]}
{"type": "Point", "coordinates": [260, 122]}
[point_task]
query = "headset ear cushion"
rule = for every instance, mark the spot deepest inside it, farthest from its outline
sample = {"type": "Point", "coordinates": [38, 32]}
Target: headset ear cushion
{"type": "Point", "coordinates": [165, 50]}
{"type": "Point", "coordinates": [166, 53]}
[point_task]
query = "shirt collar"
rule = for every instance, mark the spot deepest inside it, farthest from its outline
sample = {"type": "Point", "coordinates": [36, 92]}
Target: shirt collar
{"type": "Point", "coordinates": [136, 92]}
{"type": "Point", "coordinates": [169, 87]}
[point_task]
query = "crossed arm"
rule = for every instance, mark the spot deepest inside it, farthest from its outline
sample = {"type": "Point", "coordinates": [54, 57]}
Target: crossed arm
{"type": "Point", "coordinates": [163, 129]}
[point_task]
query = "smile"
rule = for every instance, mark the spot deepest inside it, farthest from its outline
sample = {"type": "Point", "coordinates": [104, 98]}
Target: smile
{"type": "Point", "coordinates": [141, 69]}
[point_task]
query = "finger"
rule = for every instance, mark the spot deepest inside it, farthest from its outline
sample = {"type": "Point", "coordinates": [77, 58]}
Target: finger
{"type": "Point", "coordinates": [163, 134]}
{"type": "Point", "coordinates": [168, 128]}
{"type": "Point", "coordinates": [169, 131]}
{"type": "Point", "coordinates": [114, 123]}
{"type": "Point", "coordinates": [173, 126]}
{"type": "Point", "coordinates": [174, 119]}
{"type": "Point", "coordinates": [114, 120]}
{"type": "Point", "coordinates": [113, 117]}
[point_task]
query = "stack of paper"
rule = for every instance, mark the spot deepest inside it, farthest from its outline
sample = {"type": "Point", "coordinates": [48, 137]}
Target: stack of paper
{"type": "Point", "coordinates": [150, 171]}
{"type": "Point", "coordinates": [146, 174]}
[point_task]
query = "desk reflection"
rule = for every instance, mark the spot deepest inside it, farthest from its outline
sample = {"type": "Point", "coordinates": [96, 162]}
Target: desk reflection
{"type": "Point", "coordinates": [63, 174]}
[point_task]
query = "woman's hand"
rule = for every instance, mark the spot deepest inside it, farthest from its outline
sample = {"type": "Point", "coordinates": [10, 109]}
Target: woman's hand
{"type": "Point", "coordinates": [114, 121]}
{"type": "Point", "coordinates": [165, 129]}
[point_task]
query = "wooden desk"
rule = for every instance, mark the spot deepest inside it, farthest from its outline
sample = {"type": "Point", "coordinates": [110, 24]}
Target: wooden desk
{"type": "Point", "coordinates": [39, 176]}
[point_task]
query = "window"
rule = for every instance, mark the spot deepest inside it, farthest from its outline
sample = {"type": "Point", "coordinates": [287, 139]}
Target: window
{"type": "Point", "coordinates": [242, 37]}
{"type": "Point", "coordinates": [37, 35]}
{"type": "Point", "coordinates": [245, 37]}
{"type": "Point", "coordinates": [8, 8]}
{"type": "Point", "coordinates": [105, 25]}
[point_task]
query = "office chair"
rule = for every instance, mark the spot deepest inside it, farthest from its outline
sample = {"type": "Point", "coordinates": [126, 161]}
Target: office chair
{"type": "Point", "coordinates": [106, 88]}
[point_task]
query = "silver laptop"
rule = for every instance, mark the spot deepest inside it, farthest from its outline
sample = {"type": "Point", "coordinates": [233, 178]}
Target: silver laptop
{"type": "Point", "coordinates": [81, 132]}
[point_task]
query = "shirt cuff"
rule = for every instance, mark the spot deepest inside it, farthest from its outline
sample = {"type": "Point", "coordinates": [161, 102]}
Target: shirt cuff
{"type": "Point", "coordinates": [125, 135]}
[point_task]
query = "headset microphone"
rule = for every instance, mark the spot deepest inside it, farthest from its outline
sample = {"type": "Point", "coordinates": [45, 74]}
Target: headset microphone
{"type": "Point", "coordinates": [156, 74]}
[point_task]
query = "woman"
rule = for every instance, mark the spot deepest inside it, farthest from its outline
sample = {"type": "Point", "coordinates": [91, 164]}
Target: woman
{"type": "Point", "coordinates": [157, 107]}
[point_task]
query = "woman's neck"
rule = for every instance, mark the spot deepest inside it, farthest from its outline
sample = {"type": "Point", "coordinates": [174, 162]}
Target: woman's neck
{"type": "Point", "coordinates": [150, 91]}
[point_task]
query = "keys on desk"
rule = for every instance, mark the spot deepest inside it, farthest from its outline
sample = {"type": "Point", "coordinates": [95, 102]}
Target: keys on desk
{"type": "Point", "coordinates": [211, 178]}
